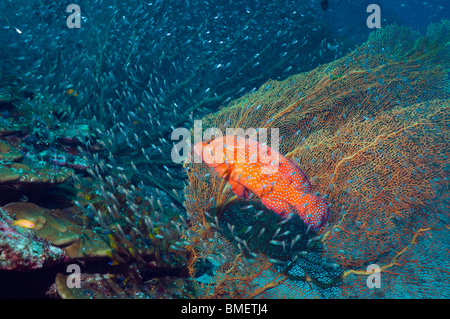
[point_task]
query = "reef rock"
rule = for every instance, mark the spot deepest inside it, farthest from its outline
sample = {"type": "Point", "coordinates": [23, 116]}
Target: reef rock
{"type": "Point", "coordinates": [59, 228]}
{"type": "Point", "coordinates": [21, 249]}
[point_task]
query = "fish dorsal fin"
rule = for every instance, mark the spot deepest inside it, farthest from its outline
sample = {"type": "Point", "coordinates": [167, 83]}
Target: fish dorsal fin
{"type": "Point", "coordinates": [221, 170]}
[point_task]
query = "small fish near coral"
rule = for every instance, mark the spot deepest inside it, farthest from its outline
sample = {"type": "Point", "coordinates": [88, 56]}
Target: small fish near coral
{"type": "Point", "coordinates": [24, 223]}
{"type": "Point", "coordinates": [280, 184]}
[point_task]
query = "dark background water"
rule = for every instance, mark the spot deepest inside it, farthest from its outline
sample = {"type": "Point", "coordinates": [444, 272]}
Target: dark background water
{"type": "Point", "coordinates": [415, 13]}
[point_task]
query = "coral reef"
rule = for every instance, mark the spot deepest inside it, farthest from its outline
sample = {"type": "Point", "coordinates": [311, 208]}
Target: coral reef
{"type": "Point", "coordinates": [99, 286]}
{"type": "Point", "coordinates": [62, 229]}
{"type": "Point", "coordinates": [99, 106]}
{"type": "Point", "coordinates": [371, 132]}
{"type": "Point", "coordinates": [84, 151]}
{"type": "Point", "coordinates": [76, 214]}
{"type": "Point", "coordinates": [21, 249]}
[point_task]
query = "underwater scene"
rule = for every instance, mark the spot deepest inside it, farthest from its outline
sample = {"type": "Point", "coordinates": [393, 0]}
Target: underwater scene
{"type": "Point", "coordinates": [224, 149]}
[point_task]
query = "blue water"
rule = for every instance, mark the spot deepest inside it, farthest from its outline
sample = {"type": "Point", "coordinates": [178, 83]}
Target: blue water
{"type": "Point", "coordinates": [131, 73]}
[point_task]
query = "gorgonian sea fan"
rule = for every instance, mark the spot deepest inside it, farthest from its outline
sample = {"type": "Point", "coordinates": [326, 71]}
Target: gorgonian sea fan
{"type": "Point", "coordinates": [370, 130]}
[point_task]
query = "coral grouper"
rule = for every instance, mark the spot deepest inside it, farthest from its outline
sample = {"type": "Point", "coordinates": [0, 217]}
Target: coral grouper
{"type": "Point", "coordinates": [280, 184]}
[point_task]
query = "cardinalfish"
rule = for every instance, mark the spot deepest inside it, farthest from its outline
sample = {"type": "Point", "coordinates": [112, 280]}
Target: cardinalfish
{"type": "Point", "coordinates": [25, 223]}
{"type": "Point", "coordinates": [71, 92]}
{"type": "Point", "coordinates": [278, 182]}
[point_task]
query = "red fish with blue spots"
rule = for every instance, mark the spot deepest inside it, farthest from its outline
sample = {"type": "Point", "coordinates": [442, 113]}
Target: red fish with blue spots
{"type": "Point", "coordinates": [278, 182]}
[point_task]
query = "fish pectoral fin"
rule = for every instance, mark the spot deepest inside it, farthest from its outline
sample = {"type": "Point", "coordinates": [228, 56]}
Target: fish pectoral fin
{"type": "Point", "coordinates": [239, 189]}
{"type": "Point", "coordinates": [221, 170]}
